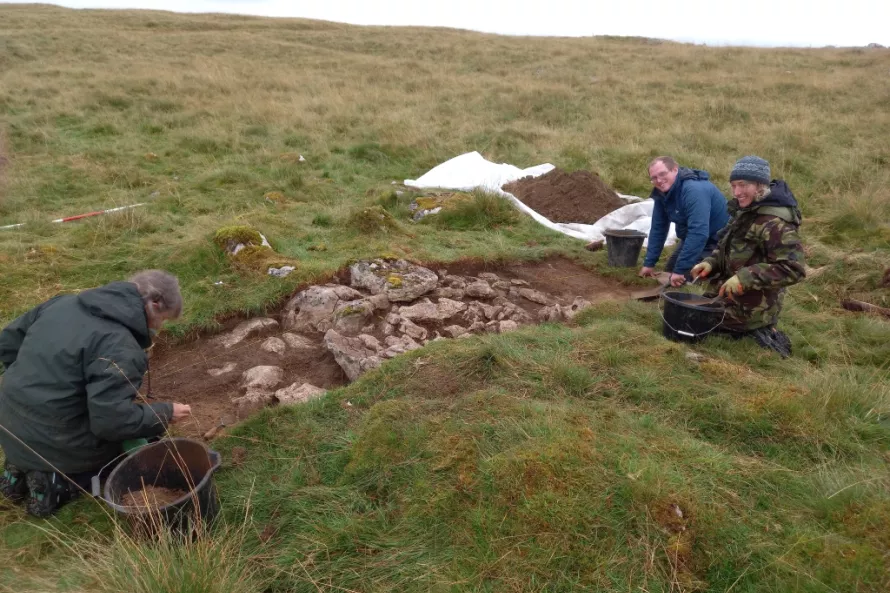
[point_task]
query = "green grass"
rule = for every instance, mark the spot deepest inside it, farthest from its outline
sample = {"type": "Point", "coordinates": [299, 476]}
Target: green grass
{"type": "Point", "coordinates": [549, 459]}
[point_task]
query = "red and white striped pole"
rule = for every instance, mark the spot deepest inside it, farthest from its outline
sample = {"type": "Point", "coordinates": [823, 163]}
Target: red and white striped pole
{"type": "Point", "coordinates": [79, 216]}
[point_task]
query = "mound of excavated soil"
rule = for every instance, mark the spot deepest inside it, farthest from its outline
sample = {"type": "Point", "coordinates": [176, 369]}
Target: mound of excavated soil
{"type": "Point", "coordinates": [567, 197]}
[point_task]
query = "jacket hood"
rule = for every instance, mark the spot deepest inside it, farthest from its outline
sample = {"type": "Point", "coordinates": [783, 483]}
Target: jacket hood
{"type": "Point", "coordinates": [122, 303]}
{"type": "Point", "coordinates": [686, 173]}
{"type": "Point", "coordinates": [779, 195]}
{"type": "Point", "coordinates": [780, 202]}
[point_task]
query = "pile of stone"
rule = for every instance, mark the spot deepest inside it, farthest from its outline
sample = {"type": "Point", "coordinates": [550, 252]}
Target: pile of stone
{"type": "Point", "coordinates": [388, 308]}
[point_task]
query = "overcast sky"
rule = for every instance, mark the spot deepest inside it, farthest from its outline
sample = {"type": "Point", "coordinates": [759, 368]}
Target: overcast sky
{"type": "Point", "coordinates": [734, 22]}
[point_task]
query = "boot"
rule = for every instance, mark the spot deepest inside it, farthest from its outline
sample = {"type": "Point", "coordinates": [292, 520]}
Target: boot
{"type": "Point", "coordinates": [13, 484]}
{"type": "Point", "coordinates": [48, 492]}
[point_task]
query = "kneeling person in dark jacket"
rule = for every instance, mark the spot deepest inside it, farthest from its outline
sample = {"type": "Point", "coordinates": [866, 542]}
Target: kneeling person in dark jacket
{"type": "Point", "coordinates": [687, 198]}
{"type": "Point", "coordinates": [759, 255]}
{"type": "Point", "coordinates": [68, 397]}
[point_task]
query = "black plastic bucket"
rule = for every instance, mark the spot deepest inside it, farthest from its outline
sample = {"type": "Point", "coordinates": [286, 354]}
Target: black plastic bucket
{"type": "Point", "coordinates": [623, 247]}
{"type": "Point", "coordinates": [687, 319]}
{"type": "Point", "coordinates": [178, 463]}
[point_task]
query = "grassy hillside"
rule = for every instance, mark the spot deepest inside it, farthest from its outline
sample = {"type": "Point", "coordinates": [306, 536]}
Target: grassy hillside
{"type": "Point", "coordinates": [552, 459]}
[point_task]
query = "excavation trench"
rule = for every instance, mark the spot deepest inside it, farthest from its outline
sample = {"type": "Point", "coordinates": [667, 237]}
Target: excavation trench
{"type": "Point", "coordinates": [209, 375]}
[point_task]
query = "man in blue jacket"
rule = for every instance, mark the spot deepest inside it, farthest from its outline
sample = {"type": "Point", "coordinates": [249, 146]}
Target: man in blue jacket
{"type": "Point", "coordinates": [688, 199]}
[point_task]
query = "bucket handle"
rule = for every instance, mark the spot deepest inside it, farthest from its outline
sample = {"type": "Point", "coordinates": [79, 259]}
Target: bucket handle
{"type": "Point", "coordinates": [95, 481]}
{"type": "Point", "coordinates": [688, 334]}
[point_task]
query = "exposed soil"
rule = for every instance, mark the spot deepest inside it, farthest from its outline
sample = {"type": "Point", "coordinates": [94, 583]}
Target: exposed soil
{"type": "Point", "coordinates": [567, 197]}
{"type": "Point", "coordinates": [151, 497]}
{"type": "Point", "coordinates": [180, 373]}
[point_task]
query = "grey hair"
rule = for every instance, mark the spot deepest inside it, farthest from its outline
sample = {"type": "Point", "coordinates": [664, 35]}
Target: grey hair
{"type": "Point", "coordinates": [667, 161]}
{"type": "Point", "coordinates": [158, 286]}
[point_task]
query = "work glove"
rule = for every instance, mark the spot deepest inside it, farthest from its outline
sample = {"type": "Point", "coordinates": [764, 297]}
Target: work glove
{"type": "Point", "coordinates": [701, 270]}
{"type": "Point", "coordinates": [732, 287]}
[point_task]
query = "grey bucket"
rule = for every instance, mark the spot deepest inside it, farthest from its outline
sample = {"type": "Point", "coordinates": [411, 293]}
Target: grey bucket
{"type": "Point", "coordinates": [623, 247]}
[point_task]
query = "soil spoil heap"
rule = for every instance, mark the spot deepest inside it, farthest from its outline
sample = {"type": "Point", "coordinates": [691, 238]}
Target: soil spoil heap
{"type": "Point", "coordinates": [567, 197]}
{"type": "Point", "coordinates": [151, 497]}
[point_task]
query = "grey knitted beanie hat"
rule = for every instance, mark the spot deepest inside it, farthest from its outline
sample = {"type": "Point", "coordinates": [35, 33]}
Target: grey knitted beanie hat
{"type": "Point", "coordinates": [751, 168]}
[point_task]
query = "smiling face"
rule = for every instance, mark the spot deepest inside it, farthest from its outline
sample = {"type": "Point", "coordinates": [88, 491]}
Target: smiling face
{"type": "Point", "coordinates": [662, 177]}
{"type": "Point", "coordinates": [746, 192]}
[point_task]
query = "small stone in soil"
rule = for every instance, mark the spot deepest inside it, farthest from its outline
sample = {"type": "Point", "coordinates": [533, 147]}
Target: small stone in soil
{"type": "Point", "coordinates": [239, 454]}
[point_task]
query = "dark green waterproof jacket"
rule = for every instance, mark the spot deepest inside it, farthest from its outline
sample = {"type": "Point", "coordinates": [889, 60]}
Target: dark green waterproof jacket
{"type": "Point", "coordinates": [73, 368]}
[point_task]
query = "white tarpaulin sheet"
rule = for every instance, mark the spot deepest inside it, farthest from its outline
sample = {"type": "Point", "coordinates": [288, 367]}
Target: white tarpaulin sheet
{"type": "Point", "coordinates": [470, 171]}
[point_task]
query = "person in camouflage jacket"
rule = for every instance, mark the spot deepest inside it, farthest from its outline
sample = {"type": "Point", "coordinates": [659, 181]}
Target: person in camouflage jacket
{"type": "Point", "coordinates": [759, 254]}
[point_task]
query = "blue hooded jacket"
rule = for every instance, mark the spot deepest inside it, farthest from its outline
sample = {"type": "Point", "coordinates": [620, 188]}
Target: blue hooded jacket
{"type": "Point", "coordinates": [698, 209]}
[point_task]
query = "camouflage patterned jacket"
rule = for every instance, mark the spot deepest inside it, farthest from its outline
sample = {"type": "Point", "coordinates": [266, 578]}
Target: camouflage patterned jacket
{"type": "Point", "coordinates": [760, 245]}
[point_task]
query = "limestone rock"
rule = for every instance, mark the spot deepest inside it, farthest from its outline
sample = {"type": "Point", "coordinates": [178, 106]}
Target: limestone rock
{"type": "Point", "coordinates": [401, 281]}
{"type": "Point", "coordinates": [550, 313]}
{"type": "Point", "coordinates": [507, 326]}
{"type": "Point", "coordinates": [415, 282]}
{"type": "Point", "coordinates": [449, 292]}
{"type": "Point", "coordinates": [425, 310]}
{"type": "Point", "coordinates": [253, 402]}
{"type": "Point", "coordinates": [578, 305]}
{"type": "Point", "coordinates": [399, 345]}
{"type": "Point", "coordinates": [454, 282]}
{"type": "Point", "coordinates": [351, 316]}
{"type": "Point", "coordinates": [480, 289]}
{"type": "Point", "coordinates": [411, 329]}
{"type": "Point", "coordinates": [518, 282]}
{"type": "Point", "coordinates": [534, 296]}
{"type": "Point", "coordinates": [274, 345]}
{"type": "Point", "coordinates": [478, 326]}
{"type": "Point", "coordinates": [380, 302]}
{"type": "Point", "coordinates": [245, 329]}
{"type": "Point", "coordinates": [368, 275]}
{"type": "Point", "coordinates": [298, 394]}
{"type": "Point", "coordinates": [312, 309]}
{"type": "Point", "coordinates": [344, 293]}
{"type": "Point", "coordinates": [489, 277]}
{"type": "Point", "coordinates": [512, 312]}
{"type": "Point", "coordinates": [262, 378]}
{"type": "Point", "coordinates": [455, 330]}
{"type": "Point", "coordinates": [297, 342]}
{"type": "Point", "coordinates": [226, 368]}
{"type": "Point", "coordinates": [449, 308]}
{"type": "Point", "coordinates": [354, 355]}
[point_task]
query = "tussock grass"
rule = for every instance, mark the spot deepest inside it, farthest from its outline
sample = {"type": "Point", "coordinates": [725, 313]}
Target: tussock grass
{"type": "Point", "coordinates": [483, 211]}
